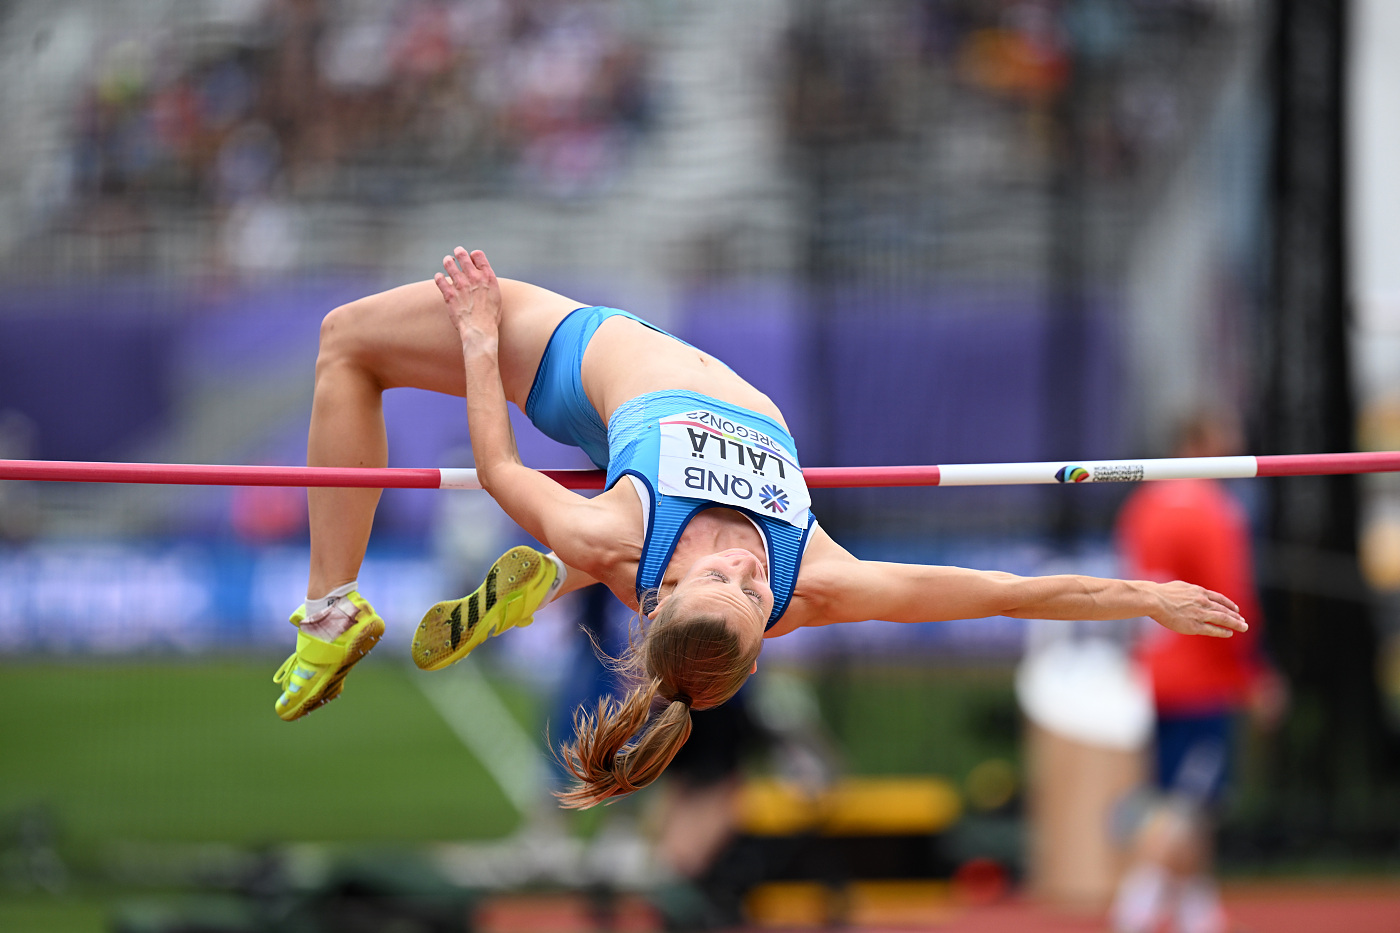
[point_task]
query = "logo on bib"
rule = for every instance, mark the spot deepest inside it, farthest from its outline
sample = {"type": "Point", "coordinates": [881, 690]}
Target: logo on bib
{"type": "Point", "coordinates": [773, 499]}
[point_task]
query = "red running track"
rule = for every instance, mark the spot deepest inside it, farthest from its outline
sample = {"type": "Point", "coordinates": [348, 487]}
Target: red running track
{"type": "Point", "coordinates": [1294, 905]}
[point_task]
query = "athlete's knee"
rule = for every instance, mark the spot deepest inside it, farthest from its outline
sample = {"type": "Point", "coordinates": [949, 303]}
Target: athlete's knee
{"type": "Point", "coordinates": [347, 346]}
{"type": "Point", "coordinates": [343, 336]}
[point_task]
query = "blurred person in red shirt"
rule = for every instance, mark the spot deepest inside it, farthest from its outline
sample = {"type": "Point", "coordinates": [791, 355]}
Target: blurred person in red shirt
{"type": "Point", "coordinates": [1192, 530]}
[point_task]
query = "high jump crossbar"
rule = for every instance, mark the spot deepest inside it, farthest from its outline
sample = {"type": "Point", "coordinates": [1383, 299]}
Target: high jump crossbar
{"type": "Point", "coordinates": [1048, 472]}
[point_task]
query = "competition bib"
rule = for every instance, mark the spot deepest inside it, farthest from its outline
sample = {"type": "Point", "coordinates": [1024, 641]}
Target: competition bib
{"type": "Point", "coordinates": [705, 455]}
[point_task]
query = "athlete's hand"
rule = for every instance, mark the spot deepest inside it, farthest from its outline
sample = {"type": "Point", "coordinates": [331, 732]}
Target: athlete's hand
{"type": "Point", "coordinates": [1194, 610]}
{"type": "Point", "coordinates": [472, 294]}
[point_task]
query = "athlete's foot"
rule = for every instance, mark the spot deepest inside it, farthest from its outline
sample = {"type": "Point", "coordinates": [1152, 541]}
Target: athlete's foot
{"type": "Point", "coordinates": [518, 583]}
{"type": "Point", "coordinates": [328, 645]}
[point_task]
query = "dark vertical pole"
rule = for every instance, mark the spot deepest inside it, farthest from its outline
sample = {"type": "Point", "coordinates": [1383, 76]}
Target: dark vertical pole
{"type": "Point", "coordinates": [837, 106]}
{"type": "Point", "coordinates": [1335, 748]}
{"type": "Point", "coordinates": [1062, 392]}
{"type": "Point", "coordinates": [811, 122]}
{"type": "Point", "coordinates": [821, 279]}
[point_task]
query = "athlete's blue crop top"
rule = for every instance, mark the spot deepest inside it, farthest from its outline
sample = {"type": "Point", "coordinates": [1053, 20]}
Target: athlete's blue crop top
{"type": "Point", "coordinates": [687, 452]}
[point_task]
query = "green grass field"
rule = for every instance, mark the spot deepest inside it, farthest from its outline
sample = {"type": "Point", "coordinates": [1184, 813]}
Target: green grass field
{"type": "Point", "coordinates": [166, 757]}
{"type": "Point", "coordinates": [181, 751]}
{"type": "Point", "coordinates": [915, 720]}
{"type": "Point", "coordinates": [164, 751]}
{"type": "Point", "coordinates": [40, 913]}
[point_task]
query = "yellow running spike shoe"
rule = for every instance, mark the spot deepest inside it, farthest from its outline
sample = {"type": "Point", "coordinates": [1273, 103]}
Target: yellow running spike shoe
{"type": "Point", "coordinates": [315, 673]}
{"type": "Point", "coordinates": [518, 583]}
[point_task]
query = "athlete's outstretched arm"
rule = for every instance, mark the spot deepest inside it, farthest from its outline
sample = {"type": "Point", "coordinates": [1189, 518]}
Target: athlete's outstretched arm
{"type": "Point", "coordinates": [565, 521]}
{"type": "Point", "coordinates": [841, 588]}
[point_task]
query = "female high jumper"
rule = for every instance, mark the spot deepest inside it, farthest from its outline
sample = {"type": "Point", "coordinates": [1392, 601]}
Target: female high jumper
{"type": "Point", "coordinates": [704, 526]}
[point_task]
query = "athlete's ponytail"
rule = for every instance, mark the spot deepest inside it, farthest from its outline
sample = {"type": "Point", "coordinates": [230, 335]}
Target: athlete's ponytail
{"type": "Point", "coordinates": [684, 662]}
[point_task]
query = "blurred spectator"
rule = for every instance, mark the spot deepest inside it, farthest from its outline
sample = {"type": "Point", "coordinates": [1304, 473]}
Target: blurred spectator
{"type": "Point", "coordinates": [1192, 530]}
{"type": "Point", "coordinates": [1023, 57]}
{"type": "Point", "coordinates": [553, 92]}
{"type": "Point", "coordinates": [772, 725]}
{"type": "Point", "coordinates": [851, 75]}
{"type": "Point", "coordinates": [262, 235]}
{"type": "Point", "coordinates": [267, 514]}
{"type": "Point", "coordinates": [396, 103]}
{"type": "Point", "coordinates": [696, 816]}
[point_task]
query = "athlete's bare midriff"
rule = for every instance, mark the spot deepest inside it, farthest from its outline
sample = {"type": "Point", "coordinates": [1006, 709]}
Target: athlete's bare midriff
{"type": "Point", "coordinates": [623, 360]}
{"type": "Point", "coordinates": [626, 359]}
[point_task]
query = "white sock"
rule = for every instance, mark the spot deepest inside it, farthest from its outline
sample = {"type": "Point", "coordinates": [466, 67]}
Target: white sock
{"type": "Point", "coordinates": [1141, 900]}
{"type": "Point", "coordinates": [1199, 909]}
{"type": "Point", "coordinates": [559, 578]}
{"type": "Point", "coordinates": [322, 603]}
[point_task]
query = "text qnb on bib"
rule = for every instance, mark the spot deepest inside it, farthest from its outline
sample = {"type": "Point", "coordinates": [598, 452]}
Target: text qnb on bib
{"type": "Point", "coordinates": [705, 455]}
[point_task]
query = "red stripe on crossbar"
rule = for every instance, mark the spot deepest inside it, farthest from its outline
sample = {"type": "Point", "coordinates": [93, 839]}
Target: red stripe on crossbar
{"type": "Point", "coordinates": [1328, 464]}
{"type": "Point", "coordinates": [193, 474]}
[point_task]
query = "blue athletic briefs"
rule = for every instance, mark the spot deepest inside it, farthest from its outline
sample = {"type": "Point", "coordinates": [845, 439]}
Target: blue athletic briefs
{"type": "Point", "coordinates": [557, 404]}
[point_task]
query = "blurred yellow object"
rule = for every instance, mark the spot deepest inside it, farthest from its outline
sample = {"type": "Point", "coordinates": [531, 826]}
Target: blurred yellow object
{"type": "Point", "coordinates": [1388, 668]}
{"type": "Point", "coordinates": [991, 784]}
{"type": "Point", "coordinates": [908, 904]}
{"type": "Point", "coordinates": [853, 807]}
{"type": "Point", "coordinates": [775, 808]}
{"type": "Point", "coordinates": [789, 904]}
{"type": "Point", "coordinates": [891, 806]}
{"type": "Point", "coordinates": [1380, 553]}
{"type": "Point", "coordinates": [1378, 425]}
{"type": "Point", "coordinates": [898, 903]}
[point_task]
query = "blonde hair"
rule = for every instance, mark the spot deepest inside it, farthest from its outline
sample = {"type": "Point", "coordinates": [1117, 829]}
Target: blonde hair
{"type": "Point", "coordinates": [688, 661]}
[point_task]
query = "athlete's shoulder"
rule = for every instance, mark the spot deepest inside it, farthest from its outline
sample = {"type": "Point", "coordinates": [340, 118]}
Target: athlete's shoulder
{"type": "Point", "coordinates": [822, 580]}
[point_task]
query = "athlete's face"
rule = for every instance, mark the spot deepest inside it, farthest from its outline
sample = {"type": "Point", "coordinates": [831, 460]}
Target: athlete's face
{"type": "Point", "coordinates": [733, 583]}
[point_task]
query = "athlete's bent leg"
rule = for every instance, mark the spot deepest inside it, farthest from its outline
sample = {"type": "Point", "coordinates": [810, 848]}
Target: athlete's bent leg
{"type": "Point", "coordinates": [396, 338]}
